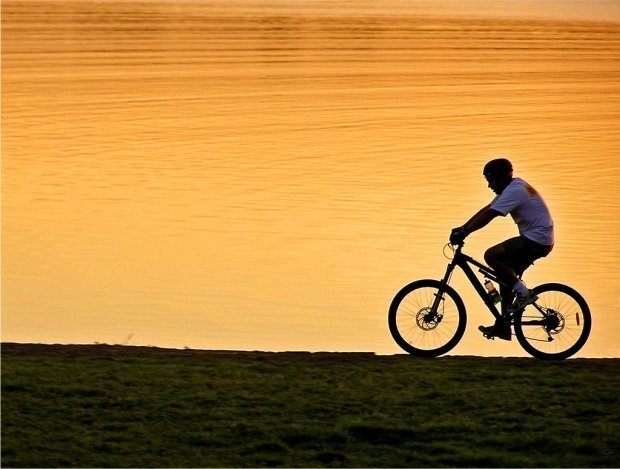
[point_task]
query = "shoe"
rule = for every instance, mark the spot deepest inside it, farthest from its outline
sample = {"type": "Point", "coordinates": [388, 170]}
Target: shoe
{"type": "Point", "coordinates": [501, 330]}
{"type": "Point", "coordinates": [521, 301]}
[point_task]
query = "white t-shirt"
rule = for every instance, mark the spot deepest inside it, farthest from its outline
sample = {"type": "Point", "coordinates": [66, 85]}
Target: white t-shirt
{"type": "Point", "coordinates": [528, 210]}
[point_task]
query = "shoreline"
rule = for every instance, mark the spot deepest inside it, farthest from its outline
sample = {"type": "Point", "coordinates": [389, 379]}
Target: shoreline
{"type": "Point", "coordinates": [108, 350]}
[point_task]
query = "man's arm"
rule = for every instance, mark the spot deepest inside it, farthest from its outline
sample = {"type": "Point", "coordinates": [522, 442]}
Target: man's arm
{"type": "Point", "coordinates": [481, 219]}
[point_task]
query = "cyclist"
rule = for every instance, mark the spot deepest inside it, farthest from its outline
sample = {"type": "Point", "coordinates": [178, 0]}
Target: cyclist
{"type": "Point", "coordinates": [510, 258]}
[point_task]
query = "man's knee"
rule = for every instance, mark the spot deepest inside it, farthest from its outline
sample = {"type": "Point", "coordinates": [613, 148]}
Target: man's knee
{"type": "Point", "coordinates": [494, 254]}
{"type": "Point", "coordinates": [488, 256]}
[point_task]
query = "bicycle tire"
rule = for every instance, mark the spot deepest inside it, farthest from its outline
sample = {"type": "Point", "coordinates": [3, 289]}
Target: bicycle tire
{"type": "Point", "coordinates": [412, 328]}
{"type": "Point", "coordinates": [557, 325]}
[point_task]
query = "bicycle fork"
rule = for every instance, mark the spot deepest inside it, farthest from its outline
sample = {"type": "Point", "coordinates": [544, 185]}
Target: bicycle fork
{"type": "Point", "coordinates": [434, 314]}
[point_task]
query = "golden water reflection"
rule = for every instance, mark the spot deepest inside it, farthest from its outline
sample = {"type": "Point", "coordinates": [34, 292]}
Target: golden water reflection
{"type": "Point", "coordinates": [267, 175]}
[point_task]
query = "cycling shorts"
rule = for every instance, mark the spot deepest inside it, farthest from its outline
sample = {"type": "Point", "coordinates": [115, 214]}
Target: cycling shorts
{"type": "Point", "coordinates": [522, 252]}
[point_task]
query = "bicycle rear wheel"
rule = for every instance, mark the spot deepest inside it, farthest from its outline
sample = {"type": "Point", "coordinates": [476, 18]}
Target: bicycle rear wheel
{"type": "Point", "coordinates": [557, 325]}
{"type": "Point", "coordinates": [420, 331]}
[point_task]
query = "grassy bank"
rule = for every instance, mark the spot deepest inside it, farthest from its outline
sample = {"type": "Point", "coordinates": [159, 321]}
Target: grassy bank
{"type": "Point", "coordinates": [130, 406]}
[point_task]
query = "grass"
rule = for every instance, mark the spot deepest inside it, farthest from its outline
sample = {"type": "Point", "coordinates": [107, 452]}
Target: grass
{"type": "Point", "coordinates": [112, 406]}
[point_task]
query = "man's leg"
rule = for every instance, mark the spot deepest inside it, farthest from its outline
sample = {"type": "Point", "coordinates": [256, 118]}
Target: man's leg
{"type": "Point", "coordinates": [502, 258]}
{"type": "Point", "coordinates": [497, 258]}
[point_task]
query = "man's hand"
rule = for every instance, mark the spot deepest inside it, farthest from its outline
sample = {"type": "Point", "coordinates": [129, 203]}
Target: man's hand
{"type": "Point", "coordinates": [458, 235]}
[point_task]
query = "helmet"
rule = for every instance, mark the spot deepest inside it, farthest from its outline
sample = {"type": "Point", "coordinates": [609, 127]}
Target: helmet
{"type": "Point", "coordinates": [499, 168]}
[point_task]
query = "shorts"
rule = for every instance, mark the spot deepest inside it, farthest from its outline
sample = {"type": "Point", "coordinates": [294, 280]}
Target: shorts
{"type": "Point", "coordinates": [522, 252]}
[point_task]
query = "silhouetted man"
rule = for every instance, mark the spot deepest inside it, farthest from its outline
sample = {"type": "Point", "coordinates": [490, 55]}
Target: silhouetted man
{"type": "Point", "coordinates": [510, 258]}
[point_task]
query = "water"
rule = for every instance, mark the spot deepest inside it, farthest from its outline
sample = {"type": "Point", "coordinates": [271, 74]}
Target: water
{"type": "Point", "coordinates": [266, 175]}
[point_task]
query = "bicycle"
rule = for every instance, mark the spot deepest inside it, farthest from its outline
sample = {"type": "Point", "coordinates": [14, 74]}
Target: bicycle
{"type": "Point", "coordinates": [427, 318]}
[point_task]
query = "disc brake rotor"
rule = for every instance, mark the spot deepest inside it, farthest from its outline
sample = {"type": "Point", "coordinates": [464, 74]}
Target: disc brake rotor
{"type": "Point", "coordinates": [426, 320]}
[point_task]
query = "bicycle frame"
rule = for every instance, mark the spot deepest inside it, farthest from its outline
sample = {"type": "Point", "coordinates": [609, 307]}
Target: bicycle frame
{"type": "Point", "coordinates": [465, 262]}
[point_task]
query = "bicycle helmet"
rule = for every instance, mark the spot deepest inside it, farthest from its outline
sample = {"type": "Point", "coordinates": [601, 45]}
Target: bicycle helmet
{"type": "Point", "coordinates": [498, 169]}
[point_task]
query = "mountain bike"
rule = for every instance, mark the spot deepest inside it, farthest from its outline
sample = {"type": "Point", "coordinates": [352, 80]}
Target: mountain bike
{"type": "Point", "coordinates": [427, 318]}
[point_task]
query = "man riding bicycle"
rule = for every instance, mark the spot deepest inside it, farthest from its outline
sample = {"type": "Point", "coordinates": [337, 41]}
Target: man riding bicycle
{"type": "Point", "coordinates": [512, 257]}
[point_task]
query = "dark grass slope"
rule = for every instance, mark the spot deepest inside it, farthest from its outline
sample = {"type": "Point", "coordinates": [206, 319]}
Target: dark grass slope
{"type": "Point", "coordinates": [117, 406]}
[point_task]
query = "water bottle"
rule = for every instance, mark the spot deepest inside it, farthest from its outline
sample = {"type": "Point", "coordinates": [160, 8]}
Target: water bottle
{"type": "Point", "coordinates": [492, 291]}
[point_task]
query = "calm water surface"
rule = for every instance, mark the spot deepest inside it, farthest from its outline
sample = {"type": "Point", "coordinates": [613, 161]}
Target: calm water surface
{"type": "Point", "coordinates": [266, 175]}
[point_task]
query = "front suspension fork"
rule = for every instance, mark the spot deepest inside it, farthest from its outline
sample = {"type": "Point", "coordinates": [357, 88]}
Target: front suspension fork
{"type": "Point", "coordinates": [442, 291]}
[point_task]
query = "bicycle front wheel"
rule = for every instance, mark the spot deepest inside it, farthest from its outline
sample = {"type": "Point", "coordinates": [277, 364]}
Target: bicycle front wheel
{"type": "Point", "coordinates": [418, 329]}
{"type": "Point", "coordinates": [557, 325]}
